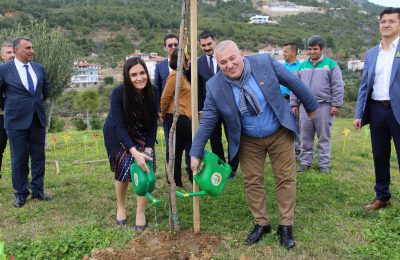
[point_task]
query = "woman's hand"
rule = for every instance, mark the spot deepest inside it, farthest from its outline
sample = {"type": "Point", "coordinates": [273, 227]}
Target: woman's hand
{"type": "Point", "coordinates": [141, 158]}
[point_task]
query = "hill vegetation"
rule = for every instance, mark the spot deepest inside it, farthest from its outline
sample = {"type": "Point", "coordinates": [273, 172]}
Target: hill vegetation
{"type": "Point", "coordinates": [113, 28]}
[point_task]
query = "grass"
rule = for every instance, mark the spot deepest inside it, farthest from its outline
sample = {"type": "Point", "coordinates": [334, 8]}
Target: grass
{"type": "Point", "coordinates": [330, 220]}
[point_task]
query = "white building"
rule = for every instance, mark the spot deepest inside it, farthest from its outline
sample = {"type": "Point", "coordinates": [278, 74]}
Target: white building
{"type": "Point", "coordinates": [355, 65]}
{"type": "Point", "coordinates": [86, 74]}
{"type": "Point", "coordinates": [256, 19]}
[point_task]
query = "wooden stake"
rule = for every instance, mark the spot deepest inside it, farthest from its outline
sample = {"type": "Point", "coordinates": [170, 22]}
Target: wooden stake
{"type": "Point", "coordinates": [194, 88]}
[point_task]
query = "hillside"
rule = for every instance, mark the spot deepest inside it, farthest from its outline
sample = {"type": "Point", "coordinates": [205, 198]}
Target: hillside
{"type": "Point", "coordinates": [113, 28]}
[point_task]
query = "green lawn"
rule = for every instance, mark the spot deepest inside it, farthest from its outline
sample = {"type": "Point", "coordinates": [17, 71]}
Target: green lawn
{"type": "Point", "coordinates": [330, 220]}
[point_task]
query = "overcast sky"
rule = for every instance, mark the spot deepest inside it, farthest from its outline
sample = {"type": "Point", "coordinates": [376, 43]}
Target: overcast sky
{"type": "Point", "coordinates": [391, 3]}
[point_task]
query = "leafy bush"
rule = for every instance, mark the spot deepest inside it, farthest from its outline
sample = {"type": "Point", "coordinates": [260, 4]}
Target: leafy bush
{"type": "Point", "coordinates": [56, 125]}
{"type": "Point", "coordinates": [69, 246]}
{"type": "Point", "coordinates": [109, 80]}
{"type": "Point", "coordinates": [96, 122]}
{"type": "Point", "coordinates": [79, 123]}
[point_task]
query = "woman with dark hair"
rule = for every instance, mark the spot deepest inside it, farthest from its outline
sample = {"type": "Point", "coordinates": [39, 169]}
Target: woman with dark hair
{"type": "Point", "coordinates": [130, 133]}
{"type": "Point", "coordinates": [184, 123]}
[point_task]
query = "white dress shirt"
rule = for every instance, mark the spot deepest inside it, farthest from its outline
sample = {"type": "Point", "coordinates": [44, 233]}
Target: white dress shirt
{"type": "Point", "coordinates": [383, 71]}
{"type": "Point", "coordinates": [22, 73]}
{"type": "Point", "coordinates": [214, 63]}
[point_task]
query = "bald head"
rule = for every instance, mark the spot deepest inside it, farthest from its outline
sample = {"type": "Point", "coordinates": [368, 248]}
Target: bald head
{"type": "Point", "coordinates": [229, 59]}
{"type": "Point", "coordinates": [7, 52]}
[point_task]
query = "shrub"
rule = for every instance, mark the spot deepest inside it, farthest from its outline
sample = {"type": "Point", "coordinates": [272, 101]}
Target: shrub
{"type": "Point", "coordinates": [79, 123]}
{"type": "Point", "coordinates": [109, 80]}
{"type": "Point", "coordinates": [56, 125]}
{"type": "Point", "coordinates": [96, 122]}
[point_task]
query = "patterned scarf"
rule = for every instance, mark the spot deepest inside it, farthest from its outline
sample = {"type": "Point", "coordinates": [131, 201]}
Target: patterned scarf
{"type": "Point", "coordinates": [247, 99]}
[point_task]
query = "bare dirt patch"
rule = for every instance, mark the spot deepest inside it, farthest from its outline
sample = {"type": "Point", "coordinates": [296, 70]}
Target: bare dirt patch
{"type": "Point", "coordinates": [164, 245]}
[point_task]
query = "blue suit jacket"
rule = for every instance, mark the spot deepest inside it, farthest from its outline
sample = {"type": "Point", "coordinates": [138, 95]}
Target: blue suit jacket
{"type": "Point", "coordinates": [160, 76]}
{"type": "Point", "coordinates": [204, 74]}
{"type": "Point", "coordinates": [19, 104]}
{"type": "Point", "coordinates": [367, 82]}
{"type": "Point", "coordinates": [220, 102]}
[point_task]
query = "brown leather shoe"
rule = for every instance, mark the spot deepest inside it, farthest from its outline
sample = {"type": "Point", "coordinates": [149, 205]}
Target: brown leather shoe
{"type": "Point", "coordinates": [377, 204]}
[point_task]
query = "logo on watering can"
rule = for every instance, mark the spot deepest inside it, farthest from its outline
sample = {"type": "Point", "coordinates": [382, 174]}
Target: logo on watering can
{"type": "Point", "coordinates": [216, 179]}
{"type": "Point", "coordinates": [136, 179]}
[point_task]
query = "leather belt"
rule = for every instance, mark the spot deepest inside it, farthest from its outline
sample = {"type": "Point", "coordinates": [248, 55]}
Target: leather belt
{"type": "Point", "coordinates": [382, 102]}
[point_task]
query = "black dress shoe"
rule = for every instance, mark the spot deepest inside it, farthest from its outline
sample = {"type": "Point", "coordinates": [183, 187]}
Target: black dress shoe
{"type": "Point", "coordinates": [19, 202]}
{"type": "Point", "coordinates": [42, 197]}
{"type": "Point", "coordinates": [286, 236]}
{"type": "Point", "coordinates": [257, 233]}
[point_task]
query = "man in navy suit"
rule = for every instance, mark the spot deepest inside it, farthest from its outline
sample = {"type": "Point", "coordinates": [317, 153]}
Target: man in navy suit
{"type": "Point", "coordinates": [378, 102]}
{"type": "Point", "coordinates": [25, 86]}
{"type": "Point", "coordinates": [245, 94]}
{"type": "Point", "coordinates": [7, 54]}
{"type": "Point", "coordinates": [207, 67]}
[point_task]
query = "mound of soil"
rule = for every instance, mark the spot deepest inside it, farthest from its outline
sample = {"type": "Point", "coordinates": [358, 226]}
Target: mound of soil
{"type": "Point", "coordinates": [148, 245]}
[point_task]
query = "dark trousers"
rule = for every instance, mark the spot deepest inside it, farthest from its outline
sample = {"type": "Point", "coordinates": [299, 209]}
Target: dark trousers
{"type": "Point", "coordinates": [218, 148]}
{"type": "Point", "coordinates": [25, 143]}
{"type": "Point", "coordinates": [3, 139]}
{"type": "Point", "coordinates": [384, 127]}
{"type": "Point", "coordinates": [166, 128]}
{"type": "Point", "coordinates": [183, 142]}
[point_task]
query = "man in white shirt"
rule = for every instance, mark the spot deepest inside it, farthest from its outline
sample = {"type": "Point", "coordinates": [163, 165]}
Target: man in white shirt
{"type": "Point", "coordinates": [378, 102]}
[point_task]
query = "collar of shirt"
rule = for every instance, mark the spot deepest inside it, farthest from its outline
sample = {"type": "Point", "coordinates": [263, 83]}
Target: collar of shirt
{"type": "Point", "coordinates": [22, 73]}
{"type": "Point", "coordinates": [320, 59]}
{"type": "Point", "coordinates": [292, 64]}
{"type": "Point", "coordinates": [392, 45]}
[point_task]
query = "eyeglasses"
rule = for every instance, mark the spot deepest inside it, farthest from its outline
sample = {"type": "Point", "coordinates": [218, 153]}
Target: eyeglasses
{"type": "Point", "coordinates": [172, 44]}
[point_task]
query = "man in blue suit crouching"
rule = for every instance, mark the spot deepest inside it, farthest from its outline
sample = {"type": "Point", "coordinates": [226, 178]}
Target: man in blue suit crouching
{"type": "Point", "coordinates": [245, 94]}
{"type": "Point", "coordinates": [25, 86]}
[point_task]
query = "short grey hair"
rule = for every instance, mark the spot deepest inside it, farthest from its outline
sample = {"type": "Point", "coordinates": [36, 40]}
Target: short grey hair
{"type": "Point", "coordinates": [222, 45]}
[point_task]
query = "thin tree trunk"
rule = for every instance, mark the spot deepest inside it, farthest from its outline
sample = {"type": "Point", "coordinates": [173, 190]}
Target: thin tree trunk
{"type": "Point", "coordinates": [87, 119]}
{"type": "Point", "coordinates": [46, 144]}
{"type": "Point", "coordinates": [173, 218]}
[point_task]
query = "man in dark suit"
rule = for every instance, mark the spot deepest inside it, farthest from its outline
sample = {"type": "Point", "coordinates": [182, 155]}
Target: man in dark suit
{"type": "Point", "coordinates": [7, 54]}
{"type": "Point", "coordinates": [207, 67]}
{"type": "Point", "coordinates": [25, 86]}
{"type": "Point", "coordinates": [246, 95]}
{"type": "Point", "coordinates": [378, 102]}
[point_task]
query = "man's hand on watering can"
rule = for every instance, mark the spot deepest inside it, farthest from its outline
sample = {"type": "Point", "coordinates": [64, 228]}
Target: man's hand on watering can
{"type": "Point", "coordinates": [195, 165]}
{"type": "Point", "coordinates": [141, 159]}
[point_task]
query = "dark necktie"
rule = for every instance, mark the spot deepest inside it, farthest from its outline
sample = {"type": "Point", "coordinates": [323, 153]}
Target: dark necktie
{"type": "Point", "coordinates": [211, 64]}
{"type": "Point", "coordinates": [30, 81]}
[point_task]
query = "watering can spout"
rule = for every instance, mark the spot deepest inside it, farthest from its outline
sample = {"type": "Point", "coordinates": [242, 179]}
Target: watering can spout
{"type": "Point", "coordinates": [153, 201]}
{"type": "Point", "coordinates": [190, 194]}
{"type": "Point", "coordinates": [212, 177]}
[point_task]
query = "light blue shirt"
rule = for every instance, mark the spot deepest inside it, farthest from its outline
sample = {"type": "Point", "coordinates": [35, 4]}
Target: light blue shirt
{"type": "Point", "coordinates": [262, 125]}
{"type": "Point", "coordinates": [292, 68]}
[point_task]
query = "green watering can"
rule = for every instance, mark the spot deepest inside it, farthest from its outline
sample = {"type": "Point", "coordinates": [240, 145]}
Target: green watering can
{"type": "Point", "coordinates": [143, 183]}
{"type": "Point", "coordinates": [212, 178]}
